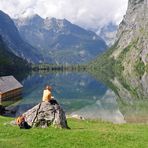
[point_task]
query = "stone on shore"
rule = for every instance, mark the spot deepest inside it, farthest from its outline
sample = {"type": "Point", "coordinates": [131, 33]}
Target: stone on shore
{"type": "Point", "coordinates": [46, 114]}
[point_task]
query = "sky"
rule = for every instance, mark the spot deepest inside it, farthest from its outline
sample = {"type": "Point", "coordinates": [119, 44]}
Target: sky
{"type": "Point", "coordinates": [89, 14]}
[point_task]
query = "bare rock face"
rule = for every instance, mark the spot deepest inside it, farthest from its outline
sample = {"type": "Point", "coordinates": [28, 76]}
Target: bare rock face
{"type": "Point", "coordinates": [45, 114]}
{"type": "Point", "coordinates": [131, 50]}
{"type": "Point", "coordinates": [133, 27]}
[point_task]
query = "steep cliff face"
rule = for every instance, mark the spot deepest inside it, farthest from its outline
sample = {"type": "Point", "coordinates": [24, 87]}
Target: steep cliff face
{"type": "Point", "coordinates": [131, 50]}
{"type": "Point", "coordinates": [133, 30]}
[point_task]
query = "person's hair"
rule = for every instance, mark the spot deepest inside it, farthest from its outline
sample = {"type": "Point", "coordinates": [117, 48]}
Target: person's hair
{"type": "Point", "coordinates": [48, 87]}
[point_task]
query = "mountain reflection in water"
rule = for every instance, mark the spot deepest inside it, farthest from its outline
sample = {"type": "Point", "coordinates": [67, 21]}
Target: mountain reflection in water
{"type": "Point", "coordinates": [105, 108]}
{"type": "Point", "coordinates": [90, 97]}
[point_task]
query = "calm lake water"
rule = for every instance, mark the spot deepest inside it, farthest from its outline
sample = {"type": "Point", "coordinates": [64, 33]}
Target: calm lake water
{"type": "Point", "coordinates": [81, 94]}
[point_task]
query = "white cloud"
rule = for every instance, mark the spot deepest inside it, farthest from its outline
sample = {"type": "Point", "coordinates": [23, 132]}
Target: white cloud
{"type": "Point", "coordinates": [86, 13]}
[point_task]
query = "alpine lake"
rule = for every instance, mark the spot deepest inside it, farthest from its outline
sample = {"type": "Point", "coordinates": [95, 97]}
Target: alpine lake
{"type": "Point", "coordinates": [83, 94]}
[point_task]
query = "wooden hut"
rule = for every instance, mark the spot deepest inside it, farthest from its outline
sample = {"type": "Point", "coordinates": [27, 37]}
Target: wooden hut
{"type": "Point", "coordinates": [10, 88]}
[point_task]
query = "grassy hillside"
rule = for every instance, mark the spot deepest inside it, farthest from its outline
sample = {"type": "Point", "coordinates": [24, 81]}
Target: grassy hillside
{"type": "Point", "coordinates": [10, 63]}
{"type": "Point", "coordinates": [83, 134]}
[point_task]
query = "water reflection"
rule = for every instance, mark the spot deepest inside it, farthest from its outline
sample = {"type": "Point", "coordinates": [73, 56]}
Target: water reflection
{"type": "Point", "coordinates": [72, 90]}
{"type": "Point", "coordinates": [105, 108]}
{"type": "Point", "coordinates": [116, 100]}
{"type": "Point", "coordinates": [133, 98]}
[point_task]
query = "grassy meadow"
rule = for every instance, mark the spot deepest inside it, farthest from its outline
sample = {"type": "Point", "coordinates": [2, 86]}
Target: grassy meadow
{"type": "Point", "coordinates": [83, 134]}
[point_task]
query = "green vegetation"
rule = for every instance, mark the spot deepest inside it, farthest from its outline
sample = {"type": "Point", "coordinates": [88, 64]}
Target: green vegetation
{"type": "Point", "coordinates": [82, 134]}
{"type": "Point", "coordinates": [118, 67]}
{"type": "Point", "coordinates": [111, 67]}
{"type": "Point", "coordinates": [140, 67]}
{"type": "Point", "coordinates": [124, 57]}
{"type": "Point", "coordinates": [55, 67]}
{"type": "Point", "coordinates": [134, 112]}
{"type": "Point", "coordinates": [104, 63]}
{"type": "Point", "coordinates": [146, 68]}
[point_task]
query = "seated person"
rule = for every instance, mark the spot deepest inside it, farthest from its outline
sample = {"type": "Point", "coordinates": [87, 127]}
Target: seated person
{"type": "Point", "coordinates": [47, 94]}
{"type": "Point", "coordinates": [47, 97]}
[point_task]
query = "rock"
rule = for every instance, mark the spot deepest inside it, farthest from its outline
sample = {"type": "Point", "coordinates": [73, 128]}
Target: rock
{"type": "Point", "coordinates": [75, 116]}
{"type": "Point", "coordinates": [46, 114]}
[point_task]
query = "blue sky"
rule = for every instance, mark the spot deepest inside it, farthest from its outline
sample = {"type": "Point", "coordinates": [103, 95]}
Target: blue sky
{"type": "Point", "coordinates": [86, 13]}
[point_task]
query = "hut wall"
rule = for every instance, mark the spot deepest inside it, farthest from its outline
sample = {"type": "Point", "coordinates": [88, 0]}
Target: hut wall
{"type": "Point", "coordinates": [13, 94]}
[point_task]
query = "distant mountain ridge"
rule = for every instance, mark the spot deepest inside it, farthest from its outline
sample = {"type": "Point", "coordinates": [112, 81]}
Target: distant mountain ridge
{"type": "Point", "coordinates": [60, 41]}
{"type": "Point", "coordinates": [15, 43]}
{"type": "Point", "coordinates": [108, 33]}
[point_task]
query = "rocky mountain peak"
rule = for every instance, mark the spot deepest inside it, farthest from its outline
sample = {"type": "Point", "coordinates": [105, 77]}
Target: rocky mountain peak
{"type": "Point", "coordinates": [57, 24]}
{"type": "Point", "coordinates": [59, 21]}
{"type": "Point", "coordinates": [32, 20]}
{"type": "Point", "coordinates": [35, 18]}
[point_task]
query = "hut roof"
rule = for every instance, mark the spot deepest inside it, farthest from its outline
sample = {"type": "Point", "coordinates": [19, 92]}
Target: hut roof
{"type": "Point", "coordinates": [8, 83]}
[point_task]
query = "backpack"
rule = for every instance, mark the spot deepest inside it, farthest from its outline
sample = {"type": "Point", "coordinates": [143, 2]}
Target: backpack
{"type": "Point", "coordinates": [20, 121]}
{"type": "Point", "coordinates": [24, 125]}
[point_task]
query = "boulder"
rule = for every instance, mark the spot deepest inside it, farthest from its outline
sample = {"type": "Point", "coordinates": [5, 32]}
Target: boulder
{"type": "Point", "coordinates": [46, 114]}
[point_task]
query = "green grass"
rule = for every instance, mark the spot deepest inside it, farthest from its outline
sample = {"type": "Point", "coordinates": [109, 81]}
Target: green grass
{"type": "Point", "coordinates": [83, 134]}
{"type": "Point", "coordinates": [140, 67]}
